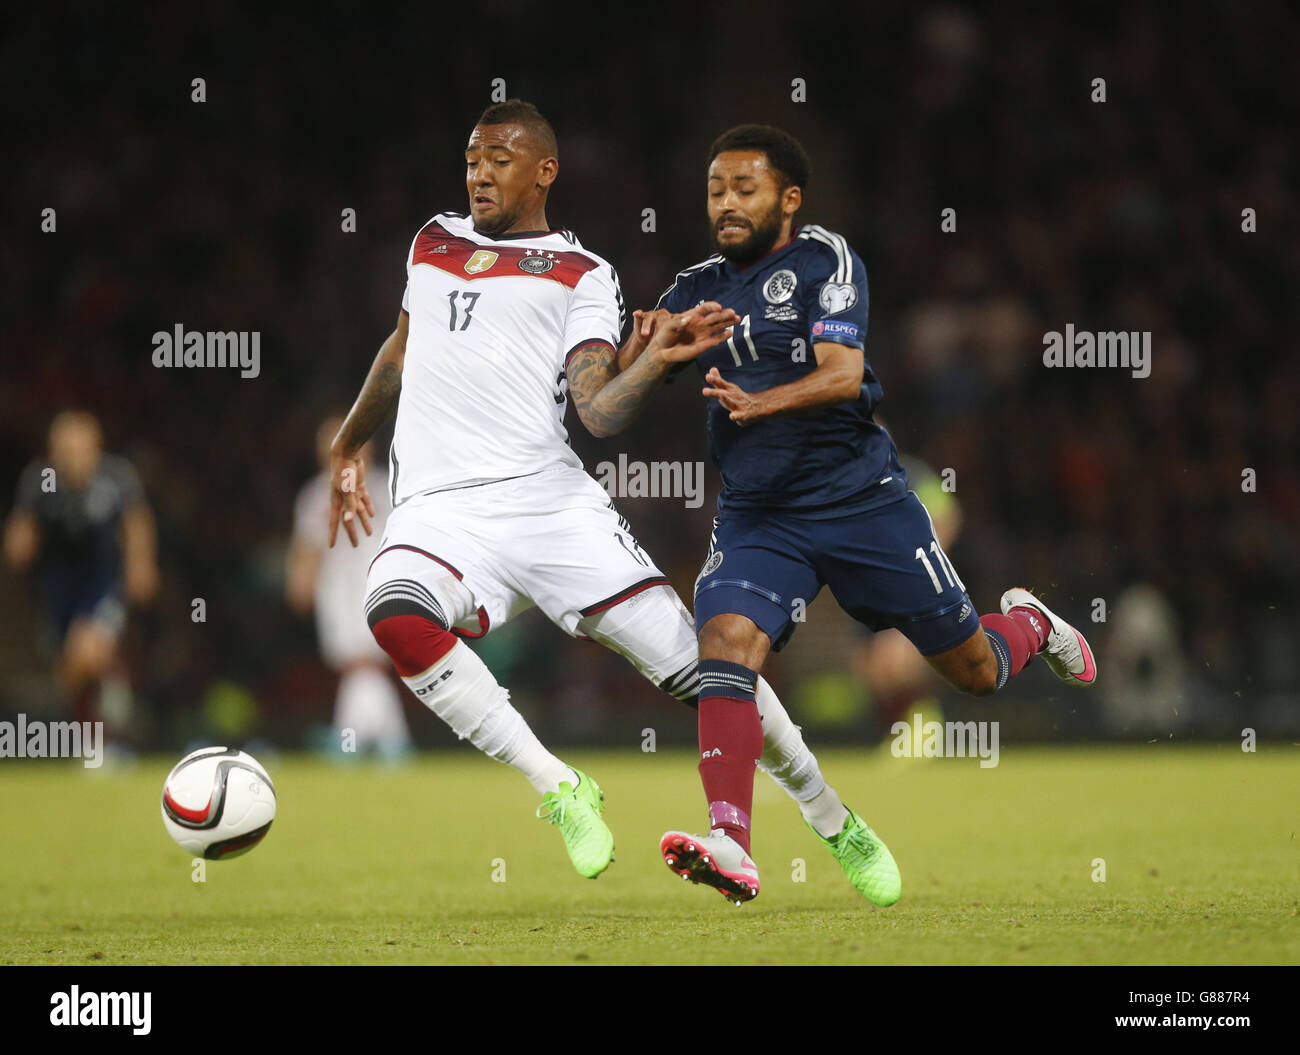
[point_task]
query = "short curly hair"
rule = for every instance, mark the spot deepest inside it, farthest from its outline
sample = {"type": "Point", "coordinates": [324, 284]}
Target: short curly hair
{"type": "Point", "coordinates": [784, 153]}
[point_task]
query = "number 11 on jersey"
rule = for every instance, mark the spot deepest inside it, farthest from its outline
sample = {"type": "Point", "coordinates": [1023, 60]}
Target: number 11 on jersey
{"type": "Point", "coordinates": [749, 341]}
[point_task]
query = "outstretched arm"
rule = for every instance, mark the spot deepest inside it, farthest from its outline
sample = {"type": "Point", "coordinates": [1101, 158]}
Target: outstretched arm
{"type": "Point", "coordinates": [837, 379]}
{"type": "Point", "coordinates": [606, 400]}
{"type": "Point", "coordinates": [377, 403]}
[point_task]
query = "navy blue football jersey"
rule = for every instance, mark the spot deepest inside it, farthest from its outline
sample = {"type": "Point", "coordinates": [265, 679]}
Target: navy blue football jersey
{"type": "Point", "coordinates": [825, 462]}
{"type": "Point", "coordinates": [79, 529]}
{"type": "Point", "coordinates": [81, 555]}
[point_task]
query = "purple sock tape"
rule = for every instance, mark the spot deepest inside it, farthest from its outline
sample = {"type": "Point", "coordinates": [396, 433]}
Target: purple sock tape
{"type": "Point", "coordinates": [724, 813]}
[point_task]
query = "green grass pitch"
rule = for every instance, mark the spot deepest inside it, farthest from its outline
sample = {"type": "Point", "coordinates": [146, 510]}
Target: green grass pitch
{"type": "Point", "coordinates": [371, 865]}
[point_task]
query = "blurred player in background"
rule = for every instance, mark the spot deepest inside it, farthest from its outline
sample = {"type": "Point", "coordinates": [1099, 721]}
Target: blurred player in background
{"type": "Point", "coordinates": [502, 318]}
{"type": "Point", "coordinates": [332, 582]}
{"type": "Point", "coordinates": [813, 494]}
{"type": "Point", "coordinates": [81, 516]}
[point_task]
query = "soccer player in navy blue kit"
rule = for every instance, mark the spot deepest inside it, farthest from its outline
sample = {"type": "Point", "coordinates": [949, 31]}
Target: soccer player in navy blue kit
{"type": "Point", "coordinates": [82, 516]}
{"type": "Point", "coordinates": [813, 495]}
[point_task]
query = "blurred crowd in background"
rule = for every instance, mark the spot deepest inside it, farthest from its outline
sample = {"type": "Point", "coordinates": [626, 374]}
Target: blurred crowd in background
{"type": "Point", "coordinates": [1085, 485]}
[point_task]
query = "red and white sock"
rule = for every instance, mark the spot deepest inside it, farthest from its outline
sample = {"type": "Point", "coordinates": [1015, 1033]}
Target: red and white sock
{"type": "Point", "coordinates": [448, 678]}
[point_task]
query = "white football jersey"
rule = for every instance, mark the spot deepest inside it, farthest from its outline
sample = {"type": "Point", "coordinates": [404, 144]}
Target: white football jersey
{"type": "Point", "coordinates": [492, 324]}
{"type": "Point", "coordinates": [341, 578]}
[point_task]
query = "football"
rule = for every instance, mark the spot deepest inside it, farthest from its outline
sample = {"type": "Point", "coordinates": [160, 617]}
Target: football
{"type": "Point", "coordinates": [218, 803]}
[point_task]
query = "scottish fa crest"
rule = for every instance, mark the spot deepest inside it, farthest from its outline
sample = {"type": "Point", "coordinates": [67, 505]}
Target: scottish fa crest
{"type": "Point", "coordinates": [780, 286]}
{"type": "Point", "coordinates": [710, 566]}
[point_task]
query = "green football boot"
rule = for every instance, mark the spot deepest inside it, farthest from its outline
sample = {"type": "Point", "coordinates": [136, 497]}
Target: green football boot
{"type": "Point", "coordinates": [577, 812]}
{"type": "Point", "coordinates": [866, 860]}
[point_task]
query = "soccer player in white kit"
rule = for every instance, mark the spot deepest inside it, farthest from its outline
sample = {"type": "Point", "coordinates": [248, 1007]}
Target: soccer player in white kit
{"type": "Point", "coordinates": [492, 510]}
{"type": "Point", "coordinates": [332, 583]}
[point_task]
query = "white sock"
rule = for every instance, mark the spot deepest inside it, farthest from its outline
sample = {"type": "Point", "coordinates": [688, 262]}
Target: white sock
{"type": "Point", "coordinates": [369, 705]}
{"type": "Point", "coordinates": [787, 760]}
{"type": "Point", "coordinates": [825, 812]}
{"type": "Point", "coordinates": [461, 691]}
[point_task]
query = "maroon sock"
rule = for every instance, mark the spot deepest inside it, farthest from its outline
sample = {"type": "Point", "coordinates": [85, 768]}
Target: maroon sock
{"type": "Point", "coordinates": [85, 702]}
{"type": "Point", "coordinates": [1020, 639]}
{"type": "Point", "coordinates": [1037, 623]}
{"type": "Point", "coordinates": [731, 741]}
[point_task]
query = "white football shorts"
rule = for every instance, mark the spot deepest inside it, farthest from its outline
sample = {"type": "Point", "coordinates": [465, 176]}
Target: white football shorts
{"type": "Point", "coordinates": [484, 554]}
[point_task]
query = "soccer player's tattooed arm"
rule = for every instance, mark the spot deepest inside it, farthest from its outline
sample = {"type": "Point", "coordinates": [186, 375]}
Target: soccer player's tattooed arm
{"type": "Point", "coordinates": [643, 328]}
{"type": "Point", "coordinates": [836, 379]}
{"type": "Point", "coordinates": [375, 406]}
{"type": "Point", "coordinates": [608, 401]}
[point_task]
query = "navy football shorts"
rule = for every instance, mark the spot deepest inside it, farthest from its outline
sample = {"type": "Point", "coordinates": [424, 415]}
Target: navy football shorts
{"type": "Point", "coordinates": [884, 566]}
{"type": "Point", "coordinates": [69, 594]}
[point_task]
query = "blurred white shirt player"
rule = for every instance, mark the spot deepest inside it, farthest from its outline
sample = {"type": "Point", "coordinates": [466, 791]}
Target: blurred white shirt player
{"type": "Point", "coordinates": [332, 582]}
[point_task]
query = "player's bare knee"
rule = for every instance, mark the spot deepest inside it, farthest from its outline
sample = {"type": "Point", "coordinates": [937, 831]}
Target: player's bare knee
{"type": "Point", "coordinates": [734, 638]}
{"type": "Point", "coordinates": [970, 667]}
{"type": "Point", "coordinates": [88, 654]}
{"type": "Point", "coordinates": [980, 677]}
{"type": "Point", "coordinates": [98, 662]}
